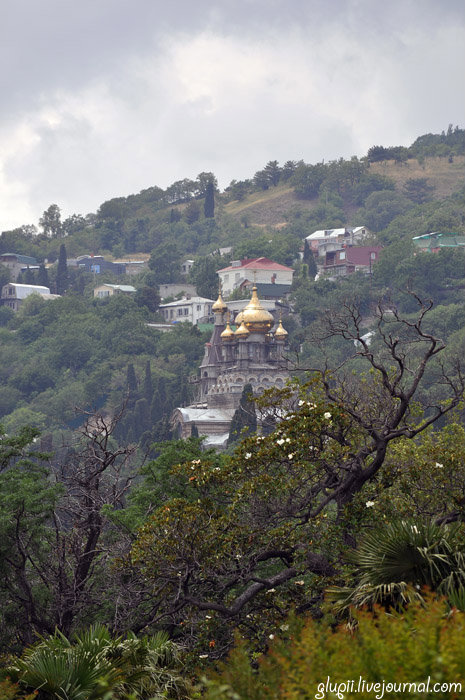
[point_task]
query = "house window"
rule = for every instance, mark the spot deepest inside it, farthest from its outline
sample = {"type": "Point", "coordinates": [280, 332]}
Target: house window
{"type": "Point", "coordinates": [199, 308]}
{"type": "Point", "coordinates": [186, 312]}
{"type": "Point", "coordinates": [179, 312]}
{"type": "Point", "coordinates": [342, 255]}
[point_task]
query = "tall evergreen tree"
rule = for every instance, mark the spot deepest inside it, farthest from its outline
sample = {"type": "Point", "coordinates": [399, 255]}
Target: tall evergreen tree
{"type": "Point", "coordinates": [244, 418]}
{"type": "Point", "coordinates": [42, 276]}
{"type": "Point", "coordinates": [194, 430]}
{"type": "Point", "coordinates": [131, 384]}
{"type": "Point", "coordinates": [148, 384]}
{"type": "Point", "coordinates": [28, 276]}
{"type": "Point", "coordinates": [309, 260]}
{"type": "Point", "coordinates": [142, 422]}
{"type": "Point", "coordinates": [62, 282]}
{"type": "Point", "coordinates": [209, 203]}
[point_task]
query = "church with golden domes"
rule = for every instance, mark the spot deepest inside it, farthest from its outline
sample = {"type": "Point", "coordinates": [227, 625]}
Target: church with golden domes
{"type": "Point", "coordinates": [253, 354]}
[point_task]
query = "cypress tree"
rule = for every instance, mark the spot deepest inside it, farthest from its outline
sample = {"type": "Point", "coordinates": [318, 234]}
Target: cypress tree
{"type": "Point", "coordinates": [141, 417]}
{"type": "Point", "coordinates": [244, 418]}
{"type": "Point", "coordinates": [28, 276]}
{"type": "Point", "coordinates": [42, 276]}
{"type": "Point", "coordinates": [62, 282]}
{"type": "Point", "coordinates": [194, 430]}
{"type": "Point", "coordinates": [148, 384]}
{"type": "Point", "coordinates": [309, 259]}
{"type": "Point", "coordinates": [156, 408]}
{"type": "Point", "coordinates": [209, 203]}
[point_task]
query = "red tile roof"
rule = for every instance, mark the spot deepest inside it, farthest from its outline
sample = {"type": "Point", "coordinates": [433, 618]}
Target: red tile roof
{"type": "Point", "coordinates": [256, 264]}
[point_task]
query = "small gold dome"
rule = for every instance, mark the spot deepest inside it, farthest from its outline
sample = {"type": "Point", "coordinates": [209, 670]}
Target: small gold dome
{"type": "Point", "coordinates": [280, 333]}
{"type": "Point", "coordinates": [228, 333]}
{"type": "Point", "coordinates": [219, 307]}
{"type": "Point", "coordinates": [255, 317]}
{"type": "Point", "coordinates": [242, 331]}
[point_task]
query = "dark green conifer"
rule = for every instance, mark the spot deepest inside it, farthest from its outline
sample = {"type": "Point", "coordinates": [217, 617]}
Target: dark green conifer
{"type": "Point", "coordinates": [42, 276]}
{"type": "Point", "coordinates": [209, 203]}
{"type": "Point", "coordinates": [244, 419]}
{"type": "Point", "coordinates": [62, 282]}
{"type": "Point", "coordinates": [148, 384]}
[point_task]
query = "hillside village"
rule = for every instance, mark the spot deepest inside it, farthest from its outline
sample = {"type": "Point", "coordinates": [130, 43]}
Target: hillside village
{"type": "Point", "coordinates": [220, 411]}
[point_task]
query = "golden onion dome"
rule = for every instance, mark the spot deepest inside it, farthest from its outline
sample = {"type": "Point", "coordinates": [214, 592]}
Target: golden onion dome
{"type": "Point", "coordinates": [280, 333]}
{"type": "Point", "coordinates": [228, 333]}
{"type": "Point", "coordinates": [255, 317]}
{"type": "Point", "coordinates": [219, 307]}
{"type": "Point", "coordinates": [242, 331]}
{"type": "Point", "coordinates": [238, 319]}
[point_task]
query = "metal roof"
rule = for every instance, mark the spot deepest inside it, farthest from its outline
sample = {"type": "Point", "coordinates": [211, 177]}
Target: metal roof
{"type": "Point", "coordinates": [256, 264]}
{"type": "Point", "coordinates": [24, 290]}
{"type": "Point", "coordinates": [23, 259]}
{"type": "Point", "coordinates": [187, 302]}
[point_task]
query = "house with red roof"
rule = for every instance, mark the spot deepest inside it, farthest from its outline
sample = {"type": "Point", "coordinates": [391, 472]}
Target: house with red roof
{"type": "Point", "coordinates": [265, 273]}
{"type": "Point", "coordinates": [349, 259]}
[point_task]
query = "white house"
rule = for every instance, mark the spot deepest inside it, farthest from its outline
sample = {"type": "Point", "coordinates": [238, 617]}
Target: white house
{"type": "Point", "coordinates": [108, 290]}
{"type": "Point", "coordinates": [193, 309]}
{"type": "Point", "coordinates": [318, 240]}
{"type": "Point", "coordinates": [259, 270]}
{"type": "Point", "coordinates": [13, 294]}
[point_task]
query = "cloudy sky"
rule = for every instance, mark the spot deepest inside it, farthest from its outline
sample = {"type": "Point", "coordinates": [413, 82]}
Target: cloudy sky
{"type": "Point", "coordinates": [104, 98]}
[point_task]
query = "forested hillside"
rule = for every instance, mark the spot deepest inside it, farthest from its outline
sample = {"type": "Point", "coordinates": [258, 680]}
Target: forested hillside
{"type": "Point", "coordinates": [105, 519]}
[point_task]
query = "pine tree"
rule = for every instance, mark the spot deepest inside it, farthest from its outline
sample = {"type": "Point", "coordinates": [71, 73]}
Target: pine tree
{"type": "Point", "coordinates": [244, 418]}
{"type": "Point", "coordinates": [28, 276]}
{"type": "Point", "coordinates": [209, 203]}
{"type": "Point", "coordinates": [62, 282]}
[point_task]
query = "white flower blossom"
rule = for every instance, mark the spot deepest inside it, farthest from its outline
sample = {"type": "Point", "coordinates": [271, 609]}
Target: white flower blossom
{"type": "Point", "coordinates": [327, 415]}
{"type": "Point", "coordinates": [439, 465]}
{"type": "Point", "coordinates": [288, 439]}
{"type": "Point", "coordinates": [369, 504]}
{"type": "Point", "coordinates": [299, 583]}
{"type": "Point", "coordinates": [248, 455]}
{"type": "Point", "coordinates": [271, 590]}
{"type": "Point", "coordinates": [280, 442]}
{"type": "Point", "coordinates": [301, 403]}
{"type": "Point", "coordinates": [203, 656]}
{"type": "Point", "coordinates": [290, 455]}
{"type": "Point", "coordinates": [208, 617]}
{"type": "Point", "coordinates": [284, 628]}
{"type": "Point", "coordinates": [271, 636]}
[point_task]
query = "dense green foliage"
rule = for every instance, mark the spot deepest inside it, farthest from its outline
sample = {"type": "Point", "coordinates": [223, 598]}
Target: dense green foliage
{"type": "Point", "coordinates": [314, 661]}
{"type": "Point", "coordinates": [118, 525]}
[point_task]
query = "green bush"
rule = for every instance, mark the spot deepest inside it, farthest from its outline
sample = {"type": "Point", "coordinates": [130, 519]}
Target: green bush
{"type": "Point", "coordinates": [421, 642]}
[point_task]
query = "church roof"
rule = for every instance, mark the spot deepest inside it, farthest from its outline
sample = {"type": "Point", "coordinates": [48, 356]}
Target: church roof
{"type": "Point", "coordinates": [255, 264]}
{"type": "Point", "coordinates": [212, 415]}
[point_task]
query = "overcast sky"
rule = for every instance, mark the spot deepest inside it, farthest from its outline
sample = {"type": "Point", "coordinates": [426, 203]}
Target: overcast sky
{"type": "Point", "coordinates": [104, 98]}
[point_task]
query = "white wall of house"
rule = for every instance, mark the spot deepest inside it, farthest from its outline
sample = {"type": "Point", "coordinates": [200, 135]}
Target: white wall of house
{"type": "Point", "coordinates": [233, 278]}
{"type": "Point", "coordinates": [194, 310]}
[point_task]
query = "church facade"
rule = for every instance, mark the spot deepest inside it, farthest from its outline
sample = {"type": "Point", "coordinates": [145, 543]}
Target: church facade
{"type": "Point", "coordinates": [253, 353]}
